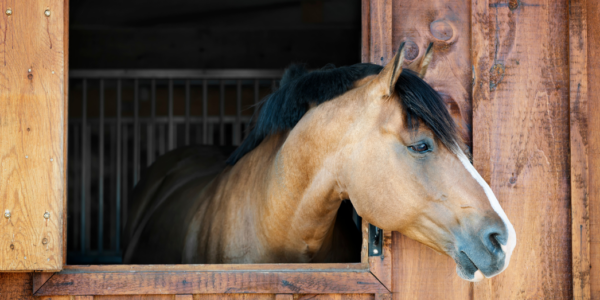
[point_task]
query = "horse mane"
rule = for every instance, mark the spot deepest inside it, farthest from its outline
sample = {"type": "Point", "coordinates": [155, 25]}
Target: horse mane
{"type": "Point", "coordinates": [299, 89]}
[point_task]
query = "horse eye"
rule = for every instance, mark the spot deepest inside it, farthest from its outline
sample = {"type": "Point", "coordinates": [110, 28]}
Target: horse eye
{"type": "Point", "coordinates": [420, 148]}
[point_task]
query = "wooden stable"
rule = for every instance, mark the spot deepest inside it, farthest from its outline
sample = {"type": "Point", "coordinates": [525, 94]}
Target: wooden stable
{"type": "Point", "coordinates": [521, 78]}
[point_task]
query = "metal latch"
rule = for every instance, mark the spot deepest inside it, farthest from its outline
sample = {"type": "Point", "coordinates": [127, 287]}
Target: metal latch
{"type": "Point", "coordinates": [375, 241]}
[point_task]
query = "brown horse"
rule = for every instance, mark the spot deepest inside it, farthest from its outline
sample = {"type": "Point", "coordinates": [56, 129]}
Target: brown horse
{"type": "Point", "coordinates": [380, 137]}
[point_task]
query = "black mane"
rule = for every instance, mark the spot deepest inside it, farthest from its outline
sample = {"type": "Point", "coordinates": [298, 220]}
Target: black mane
{"type": "Point", "coordinates": [299, 88]}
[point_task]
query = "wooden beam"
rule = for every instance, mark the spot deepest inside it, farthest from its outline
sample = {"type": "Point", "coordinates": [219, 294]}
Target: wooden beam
{"type": "Point", "coordinates": [32, 133]}
{"type": "Point", "coordinates": [578, 99]}
{"type": "Point", "coordinates": [39, 278]}
{"type": "Point", "coordinates": [179, 282]}
{"type": "Point", "coordinates": [593, 139]}
{"type": "Point", "coordinates": [521, 138]}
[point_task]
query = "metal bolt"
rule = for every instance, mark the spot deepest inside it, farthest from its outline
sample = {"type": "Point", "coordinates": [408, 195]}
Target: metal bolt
{"type": "Point", "coordinates": [46, 215]}
{"type": "Point", "coordinates": [375, 251]}
{"type": "Point", "coordinates": [7, 214]}
{"type": "Point", "coordinates": [9, 12]}
{"type": "Point", "coordinates": [47, 12]}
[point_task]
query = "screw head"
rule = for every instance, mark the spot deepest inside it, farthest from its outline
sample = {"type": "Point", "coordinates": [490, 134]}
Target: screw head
{"type": "Point", "coordinates": [9, 12]}
{"type": "Point", "coordinates": [47, 12]}
{"type": "Point", "coordinates": [52, 159]}
{"type": "Point", "coordinates": [7, 214]}
{"type": "Point", "coordinates": [375, 251]}
{"type": "Point", "coordinates": [46, 215]}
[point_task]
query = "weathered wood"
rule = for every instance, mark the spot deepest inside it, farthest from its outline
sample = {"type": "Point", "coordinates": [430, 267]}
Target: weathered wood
{"type": "Point", "coordinates": [39, 278]}
{"type": "Point", "coordinates": [148, 282]}
{"type": "Point", "coordinates": [578, 99]}
{"type": "Point", "coordinates": [381, 266]}
{"type": "Point", "coordinates": [284, 297]}
{"type": "Point", "coordinates": [521, 136]}
{"type": "Point", "coordinates": [380, 32]}
{"type": "Point", "coordinates": [593, 139]}
{"type": "Point", "coordinates": [184, 297]}
{"type": "Point", "coordinates": [32, 135]}
{"type": "Point", "coordinates": [341, 267]}
{"type": "Point", "coordinates": [335, 297]}
{"type": "Point", "coordinates": [66, 123]}
{"type": "Point", "coordinates": [135, 297]}
{"type": "Point", "coordinates": [234, 297]}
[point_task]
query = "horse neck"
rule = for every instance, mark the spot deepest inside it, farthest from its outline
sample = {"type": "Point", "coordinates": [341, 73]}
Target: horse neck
{"type": "Point", "coordinates": [302, 194]}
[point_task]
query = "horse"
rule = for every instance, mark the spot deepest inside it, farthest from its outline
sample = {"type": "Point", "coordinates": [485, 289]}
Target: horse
{"type": "Point", "coordinates": [380, 137]}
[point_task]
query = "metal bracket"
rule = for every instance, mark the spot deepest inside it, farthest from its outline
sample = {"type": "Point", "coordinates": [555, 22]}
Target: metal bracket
{"type": "Point", "coordinates": [375, 241]}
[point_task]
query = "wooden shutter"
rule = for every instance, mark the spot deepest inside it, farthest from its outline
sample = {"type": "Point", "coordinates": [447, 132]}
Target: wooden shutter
{"type": "Point", "coordinates": [32, 134]}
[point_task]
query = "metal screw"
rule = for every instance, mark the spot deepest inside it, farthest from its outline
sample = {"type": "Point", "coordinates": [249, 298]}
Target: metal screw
{"type": "Point", "coordinates": [7, 214]}
{"type": "Point", "coordinates": [9, 12]}
{"type": "Point", "coordinates": [26, 156]}
{"type": "Point", "coordinates": [47, 12]}
{"type": "Point", "coordinates": [29, 70]}
{"type": "Point", "coordinates": [52, 159]}
{"type": "Point", "coordinates": [375, 251]}
{"type": "Point", "coordinates": [46, 215]}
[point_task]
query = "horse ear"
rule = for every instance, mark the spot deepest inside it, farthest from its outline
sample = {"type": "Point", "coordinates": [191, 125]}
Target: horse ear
{"type": "Point", "coordinates": [420, 66]}
{"type": "Point", "coordinates": [391, 72]}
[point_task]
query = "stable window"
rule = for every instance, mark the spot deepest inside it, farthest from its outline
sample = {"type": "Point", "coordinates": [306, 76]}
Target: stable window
{"type": "Point", "coordinates": [146, 84]}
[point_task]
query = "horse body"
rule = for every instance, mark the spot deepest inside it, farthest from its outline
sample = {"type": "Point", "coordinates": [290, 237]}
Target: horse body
{"type": "Point", "coordinates": [381, 138]}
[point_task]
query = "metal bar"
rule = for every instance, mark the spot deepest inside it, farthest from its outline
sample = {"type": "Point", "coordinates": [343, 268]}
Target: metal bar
{"type": "Point", "coordinates": [171, 131]}
{"type": "Point", "coordinates": [101, 172]}
{"type": "Point", "coordinates": [125, 193]}
{"type": "Point", "coordinates": [118, 166]}
{"type": "Point", "coordinates": [273, 85]}
{"type": "Point", "coordinates": [84, 159]}
{"type": "Point", "coordinates": [256, 96]}
{"type": "Point", "coordinates": [110, 200]}
{"type": "Point", "coordinates": [163, 120]}
{"type": "Point", "coordinates": [76, 186]}
{"type": "Point", "coordinates": [88, 188]}
{"type": "Point", "coordinates": [161, 139]}
{"type": "Point", "coordinates": [136, 132]}
{"type": "Point", "coordinates": [150, 154]}
{"type": "Point", "coordinates": [221, 113]}
{"type": "Point", "coordinates": [237, 131]}
{"type": "Point", "coordinates": [204, 111]}
{"type": "Point", "coordinates": [176, 74]}
{"type": "Point", "coordinates": [187, 112]}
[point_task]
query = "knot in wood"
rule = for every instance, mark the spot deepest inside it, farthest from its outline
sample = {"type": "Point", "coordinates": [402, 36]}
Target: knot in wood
{"type": "Point", "coordinates": [441, 30]}
{"type": "Point", "coordinates": [411, 50]}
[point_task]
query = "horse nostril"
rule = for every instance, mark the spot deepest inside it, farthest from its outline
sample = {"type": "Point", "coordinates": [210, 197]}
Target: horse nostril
{"type": "Point", "coordinates": [494, 240]}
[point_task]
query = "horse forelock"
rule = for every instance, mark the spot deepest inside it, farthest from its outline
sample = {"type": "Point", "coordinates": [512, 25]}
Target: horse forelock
{"type": "Point", "coordinates": [299, 90]}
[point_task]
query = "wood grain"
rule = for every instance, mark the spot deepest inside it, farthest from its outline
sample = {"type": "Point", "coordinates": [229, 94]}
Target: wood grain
{"type": "Point", "coordinates": [521, 139]}
{"type": "Point", "coordinates": [578, 101]}
{"type": "Point", "coordinates": [32, 123]}
{"type": "Point", "coordinates": [149, 282]}
{"type": "Point", "coordinates": [381, 266]}
{"type": "Point", "coordinates": [284, 297]}
{"type": "Point", "coordinates": [593, 138]}
{"type": "Point", "coordinates": [39, 278]}
{"type": "Point", "coordinates": [380, 32]}
{"type": "Point", "coordinates": [234, 297]}
{"type": "Point", "coordinates": [335, 297]}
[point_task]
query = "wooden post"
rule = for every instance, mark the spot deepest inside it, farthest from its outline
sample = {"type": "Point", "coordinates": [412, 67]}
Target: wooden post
{"type": "Point", "coordinates": [32, 135]}
{"type": "Point", "coordinates": [521, 137]}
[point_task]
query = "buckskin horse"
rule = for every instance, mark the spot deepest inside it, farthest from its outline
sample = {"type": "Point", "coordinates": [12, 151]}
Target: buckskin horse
{"type": "Point", "coordinates": [378, 136]}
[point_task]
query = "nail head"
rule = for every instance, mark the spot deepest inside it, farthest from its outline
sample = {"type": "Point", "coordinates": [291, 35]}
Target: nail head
{"type": "Point", "coordinates": [29, 70]}
{"type": "Point", "coordinates": [47, 12]}
{"type": "Point", "coordinates": [9, 12]}
{"type": "Point", "coordinates": [44, 241]}
{"type": "Point", "coordinates": [7, 214]}
{"type": "Point", "coordinates": [46, 215]}
{"type": "Point", "coordinates": [26, 156]}
{"type": "Point", "coordinates": [52, 159]}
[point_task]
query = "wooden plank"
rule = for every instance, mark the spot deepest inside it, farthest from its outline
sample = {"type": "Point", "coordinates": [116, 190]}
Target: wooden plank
{"type": "Point", "coordinates": [521, 138]}
{"type": "Point", "coordinates": [148, 282]}
{"type": "Point", "coordinates": [234, 297]}
{"type": "Point", "coordinates": [217, 267]}
{"type": "Point", "coordinates": [137, 297]}
{"type": "Point", "coordinates": [380, 32]}
{"type": "Point", "coordinates": [593, 138]}
{"type": "Point", "coordinates": [365, 30]}
{"type": "Point", "coordinates": [419, 272]}
{"type": "Point", "coordinates": [284, 297]}
{"type": "Point", "coordinates": [66, 123]}
{"type": "Point", "coordinates": [39, 278]}
{"type": "Point", "coordinates": [184, 297]}
{"type": "Point", "coordinates": [32, 107]}
{"type": "Point", "coordinates": [381, 266]}
{"type": "Point", "coordinates": [334, 297]}
{"type": "Point", "coordinates": [578, 101]}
